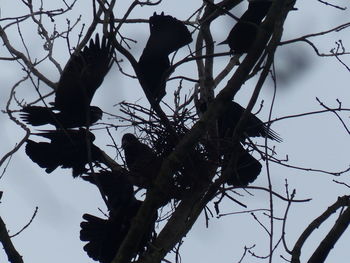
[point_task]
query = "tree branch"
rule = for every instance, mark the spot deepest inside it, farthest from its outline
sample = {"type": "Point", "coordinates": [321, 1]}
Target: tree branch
{"type": "Point", "coordinates": [12, 254]}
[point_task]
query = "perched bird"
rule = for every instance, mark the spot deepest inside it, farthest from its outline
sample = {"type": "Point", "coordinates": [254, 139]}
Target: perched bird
{"type": "Point", "coordinates": [105, 236]}
{"type": "Point", "coordinates": [67, 148]}
{"type": "Point", "coordinates": [167, 34]}
{"type": "Point", "coordinates": [140, 159]}
{"type": "Point", "coordinates": [247, 167]}
{"type": "Point", "coordinates": [254, 126]}
{"type": "Point", "coordinates": [243, 34]}
{"type": "Point", "coordinates": [81, 77]}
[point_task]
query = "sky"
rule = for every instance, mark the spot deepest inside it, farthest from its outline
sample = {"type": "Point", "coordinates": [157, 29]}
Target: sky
{"type": "Point", "coordinates": [313, 141]}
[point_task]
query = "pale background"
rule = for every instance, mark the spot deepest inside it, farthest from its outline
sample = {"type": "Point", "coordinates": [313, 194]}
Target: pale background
{"type": "Point", "coordinates": [317, 141]}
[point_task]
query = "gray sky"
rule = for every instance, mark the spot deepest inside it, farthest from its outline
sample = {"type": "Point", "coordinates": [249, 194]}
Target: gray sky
{"type": "Point", "coordinates": [316, 141]}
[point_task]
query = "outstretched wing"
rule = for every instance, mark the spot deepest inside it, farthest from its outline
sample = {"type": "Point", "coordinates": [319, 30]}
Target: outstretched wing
{"type": "Point", "coordinates": [62, 137]}
{"type": "Point", "coordinates": [82, 75]}
{"type": "Point", "coordinates": [167, 34]}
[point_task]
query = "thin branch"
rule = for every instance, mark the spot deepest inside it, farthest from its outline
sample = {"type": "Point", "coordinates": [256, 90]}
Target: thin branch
{"type": "Point", "coordinates": [27, 225]}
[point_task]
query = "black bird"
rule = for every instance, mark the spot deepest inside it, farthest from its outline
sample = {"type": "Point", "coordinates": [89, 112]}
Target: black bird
{"type": "Point", "coordinates": [152, 75]}
{"type": "Point", "coordinates": [115, 186]}
{"type": "Point", "coordinates": [67, 148]}
{"type": "Point", "coordinates": [247, 168]}
{"type": "Point", "coordinates": [140, 159]}
{"type": "Point", "coordinates": [81, 77]}
{"type": "Point", "coordinates": [254, 126]}
{"type": "Point", "coordinates": [243, 34]}
{"type": "Point", "coordinates": [245, 171]}
{"type": "Point", "coordinates": [167, 34]}
{"type": "Point", "coordinates": [105, 236]}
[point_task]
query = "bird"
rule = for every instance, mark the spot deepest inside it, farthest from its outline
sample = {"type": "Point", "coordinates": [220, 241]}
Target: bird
{"type": "Point", "coordinates": [167, 34]}
{"type": "Point", "coordinates": [243, 34]}
{"type": "Point", "coordinates": [82, 75]}
{"type": "Point", "coordinates": [140, 159]}
{"type": "Point", "coordinates": [67, 148]}
{"type": "Point", "coordinates": [104, 236]}
{"type": "Point", "coordinates": [153, 71]}
{"type": "Point", "coordinates": [245, 170]}
{"type": "Point", "coordinates": [254, 126]}
{"type": "Point", "coordinates": [114, 185]}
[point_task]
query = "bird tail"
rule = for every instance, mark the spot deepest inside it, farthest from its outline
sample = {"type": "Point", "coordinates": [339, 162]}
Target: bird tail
{"type": "Point", "coordinates": [36, 115]}
{"type": "Point", "coordinates": [92, 227]}
{"type": "Point", "coordinates": [102, 237]}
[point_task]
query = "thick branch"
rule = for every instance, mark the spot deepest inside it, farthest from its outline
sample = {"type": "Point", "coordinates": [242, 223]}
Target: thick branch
{"type": "Point", "coordinates": [341, 202]}
{"type": "Point", "coordinates": [12, 254]}
{"type": "Point", "coordinates": [331, 239]}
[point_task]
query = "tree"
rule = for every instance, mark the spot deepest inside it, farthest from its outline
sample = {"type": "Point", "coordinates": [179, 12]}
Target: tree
{"type": "Point", "coordinates": [197, 171]}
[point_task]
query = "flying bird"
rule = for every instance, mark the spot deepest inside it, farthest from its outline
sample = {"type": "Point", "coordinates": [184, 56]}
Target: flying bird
{"type": "Point", "coordinates": [81, 77]}
{"type": "Point", "coordinates": [67, 148]}
{"type": "Point", "coordinates": [244, 32]}
{"type": "Point", "coordinates": [167, 34]}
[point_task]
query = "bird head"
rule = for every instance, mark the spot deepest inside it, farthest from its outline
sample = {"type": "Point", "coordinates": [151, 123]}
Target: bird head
{"type": "Point", "coordinates": [95, 113]}
{"type": "Point", "coordinates": [128, 139]}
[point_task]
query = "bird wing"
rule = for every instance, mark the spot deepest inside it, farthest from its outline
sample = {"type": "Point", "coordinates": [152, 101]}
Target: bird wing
{"type": "Point", "coordinates": [167, 34]}
{"type": "Point", "coordinates": [67, 136]}
{"type": "Point", "coordinates": [83, 74]}
{"type": "Point", "coordinates": [43, 154]}
{"type": "Point", "coordinates": [254, 126]}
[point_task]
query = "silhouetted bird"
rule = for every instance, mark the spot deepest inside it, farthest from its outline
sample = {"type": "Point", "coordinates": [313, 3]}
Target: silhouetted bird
{"type": "Point", "coordinates": [152, 75]}
{"type": "Point", "coordinates": [105, 236]}
{"type": "Point", "coordinates": [115, 186]}
{"type": "Point", "coordinates": [141, 160]}
{"type": "Point", "coordinates": [80, 78]}
{"type": "Point", "coordinates": [254, 126]}
{"type": "Point", "coordinates": [246, 169]}
{"type": "Point", "coordinates": [167, 34]}
{"type": "Point", "coordinates": [243, 34]}
{"type": "Point", "coordinates": [68, 148]}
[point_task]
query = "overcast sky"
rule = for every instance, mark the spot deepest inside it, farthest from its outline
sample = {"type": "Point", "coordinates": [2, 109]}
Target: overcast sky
{"type": "Point", "coordinates": [316, 141]}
